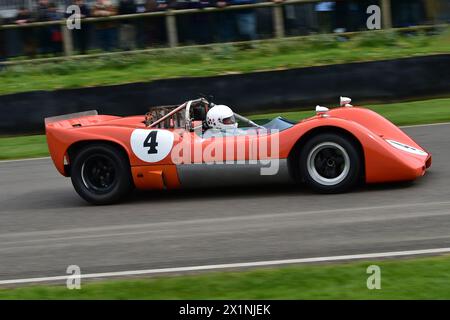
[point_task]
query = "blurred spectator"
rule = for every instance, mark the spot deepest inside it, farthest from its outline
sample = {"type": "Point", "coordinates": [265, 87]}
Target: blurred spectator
{"type": "Point", "coordinates": [105, 30]}
{"type": "Point", "coordinates": [246, 20]}
{"type": "Point", "coordinates": [324, 12]}
{"type": "Point", "coordinates": [225, 22]}
{"type": "Point", "coordinates": [155, 27]}
{"type": "Point", "coordinates": [2, 44]}
{"type": "Point", "coordinates": [127, 31]}
{"type": "Point", "coordinates": [341, 16]}
{"type": "Point", "coordinates": [140, 25]}
{"type": "Point", "coordinates": [55, 30]}
{"type": "Point", "coordinates": [443, 11]}
{"type": "Point", "coordinates": [406, 13]}
{"type": "Point", "coordinates": [26, 34]}
{"type": "Point", "coordinates": [81, 36]}
{"type": "Point", "coordinates": [360, 19]}
{"type": "Point", "coordinates": [44, 33]}
{"type": "Point", "coordinates": [300, 19]}
{"type": "Point", "coordinates": [351, 15]}
{"type": "Point", "coordinates": [194, 28]}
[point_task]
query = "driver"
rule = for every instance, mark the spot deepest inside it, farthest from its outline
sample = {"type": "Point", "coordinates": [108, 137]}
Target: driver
{"type": "Point", "coordinates": [221, 122]}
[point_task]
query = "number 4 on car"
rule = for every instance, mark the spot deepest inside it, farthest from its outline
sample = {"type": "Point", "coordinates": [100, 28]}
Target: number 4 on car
{"type": "Point", "coordinates": [106, 156]}
{"type": "Point", "coordinates": [150, 142]}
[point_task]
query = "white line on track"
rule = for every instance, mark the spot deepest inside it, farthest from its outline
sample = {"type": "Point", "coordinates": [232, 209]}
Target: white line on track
{"type": "Point", "coordinates": [426, 125]}
{"type": "Point", "coordinates": [23, 160]}
{"type": "Point", "coordinates": [234, 265]}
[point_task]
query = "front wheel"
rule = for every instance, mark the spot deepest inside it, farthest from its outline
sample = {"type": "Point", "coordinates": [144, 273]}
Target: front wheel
{"type": "Point", "coordinates": [330, 163]}
{"type": "Point", "coordinates": [100, 174]}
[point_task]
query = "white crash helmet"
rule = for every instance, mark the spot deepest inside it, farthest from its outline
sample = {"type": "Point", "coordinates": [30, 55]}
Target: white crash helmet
{"type": "Point", "coordinates": [221, 117]}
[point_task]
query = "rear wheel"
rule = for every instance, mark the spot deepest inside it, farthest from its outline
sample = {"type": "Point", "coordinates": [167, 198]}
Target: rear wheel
{"type": "Point", "coordinates": [100, 174]}
{"type": "Point", "coordinates": [330, 163]}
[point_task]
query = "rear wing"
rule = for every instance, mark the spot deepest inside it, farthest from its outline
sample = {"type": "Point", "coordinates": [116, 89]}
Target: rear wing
{"type": "Point", "coordinates": [70, 116]}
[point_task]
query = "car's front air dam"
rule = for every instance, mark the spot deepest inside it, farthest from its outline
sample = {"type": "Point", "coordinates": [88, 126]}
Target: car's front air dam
{"type": "Point", "coordinates": [422, 169]}
{"type": "Point", "coordinates": [428, 161]}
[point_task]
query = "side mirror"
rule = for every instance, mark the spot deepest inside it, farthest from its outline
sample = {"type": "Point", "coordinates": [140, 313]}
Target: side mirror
{"type": "Point", "coordinates": [321, 111]}
{"type": "Point", "coordinates": [345, 102]}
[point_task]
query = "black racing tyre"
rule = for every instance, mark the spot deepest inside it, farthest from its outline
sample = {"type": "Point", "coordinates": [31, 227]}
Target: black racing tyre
{"type": "Point", "coordinates": [101, 174]}
{"type": "Point", "coordinates": [330, 163]}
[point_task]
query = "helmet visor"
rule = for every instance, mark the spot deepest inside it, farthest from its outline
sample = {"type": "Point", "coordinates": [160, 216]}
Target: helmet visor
{"type": "Point", "coordinates": [229, 120]}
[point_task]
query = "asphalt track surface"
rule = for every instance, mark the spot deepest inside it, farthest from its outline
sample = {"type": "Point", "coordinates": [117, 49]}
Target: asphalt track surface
{"type": "Point", "coordinates": [45, 226]}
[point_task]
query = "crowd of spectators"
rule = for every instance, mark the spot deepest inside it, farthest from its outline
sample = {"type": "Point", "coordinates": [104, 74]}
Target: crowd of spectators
{"type": "Point", "coordinates": [2, 43]}
{"type": "Point", "coordinates": [129, 34]}
{"type": "Point", "coordinates": [222, 26]}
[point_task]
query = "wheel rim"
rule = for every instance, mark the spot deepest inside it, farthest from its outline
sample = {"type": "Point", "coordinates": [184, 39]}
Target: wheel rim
{"type": "Point", "coordinates": [328, 163]}
{"type": "Point", "coordinates": [98, 173]}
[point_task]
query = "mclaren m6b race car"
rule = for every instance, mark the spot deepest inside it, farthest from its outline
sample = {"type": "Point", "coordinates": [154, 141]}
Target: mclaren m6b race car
{"type": "Point", "coordinates": [199, 144]}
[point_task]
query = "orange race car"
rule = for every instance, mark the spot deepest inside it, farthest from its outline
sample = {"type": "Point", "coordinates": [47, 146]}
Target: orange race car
{"type": "Point", "coordinates": [200, 144]}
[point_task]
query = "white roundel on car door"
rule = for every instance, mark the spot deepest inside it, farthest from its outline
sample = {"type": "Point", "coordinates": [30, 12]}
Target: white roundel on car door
{"type": "Point", "coordinates": [151, 145]}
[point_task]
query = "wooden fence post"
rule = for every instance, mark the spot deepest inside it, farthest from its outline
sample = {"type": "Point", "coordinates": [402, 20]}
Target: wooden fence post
{"type": "Point", "coordinates": [67, 39]}
{"type": "Point", "coordinates": [171, 27]}
{"type": "Point", "coordinates": [386, 14]}
{"type": "Point", "coordinates": [278, 20]}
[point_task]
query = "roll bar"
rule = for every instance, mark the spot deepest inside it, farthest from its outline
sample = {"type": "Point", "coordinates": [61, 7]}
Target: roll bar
{"type": "Point", "coordinates": [188, 118]}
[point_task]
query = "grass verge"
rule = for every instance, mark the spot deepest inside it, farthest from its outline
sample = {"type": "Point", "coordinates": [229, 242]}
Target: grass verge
{"type": "Point", "coordinates": [220, 59]}
{"type": "Point", "coordinates": [23, 147]}
{"type": "Point", "coordinates": [405, 113]}
{"type": "Point", "coordinates": [424, 278]}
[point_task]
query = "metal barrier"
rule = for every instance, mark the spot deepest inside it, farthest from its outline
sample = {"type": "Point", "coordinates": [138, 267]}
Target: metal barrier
{"type": "Point", "coordinates": [278, 26]}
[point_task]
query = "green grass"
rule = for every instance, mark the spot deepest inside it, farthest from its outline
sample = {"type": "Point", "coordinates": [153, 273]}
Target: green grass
{"type": "Point", "coordinates": [426, 278]}
{"type": "Point", "coordinates": [417, 112]}
{"type": "Point", "coordinates": [219, 59]}
{"type": "Point", "coordinates": [23, 147]}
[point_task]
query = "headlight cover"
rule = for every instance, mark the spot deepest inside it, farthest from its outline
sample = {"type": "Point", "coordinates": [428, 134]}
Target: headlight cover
{"type": "Point", "coordinates": [405, 147]}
